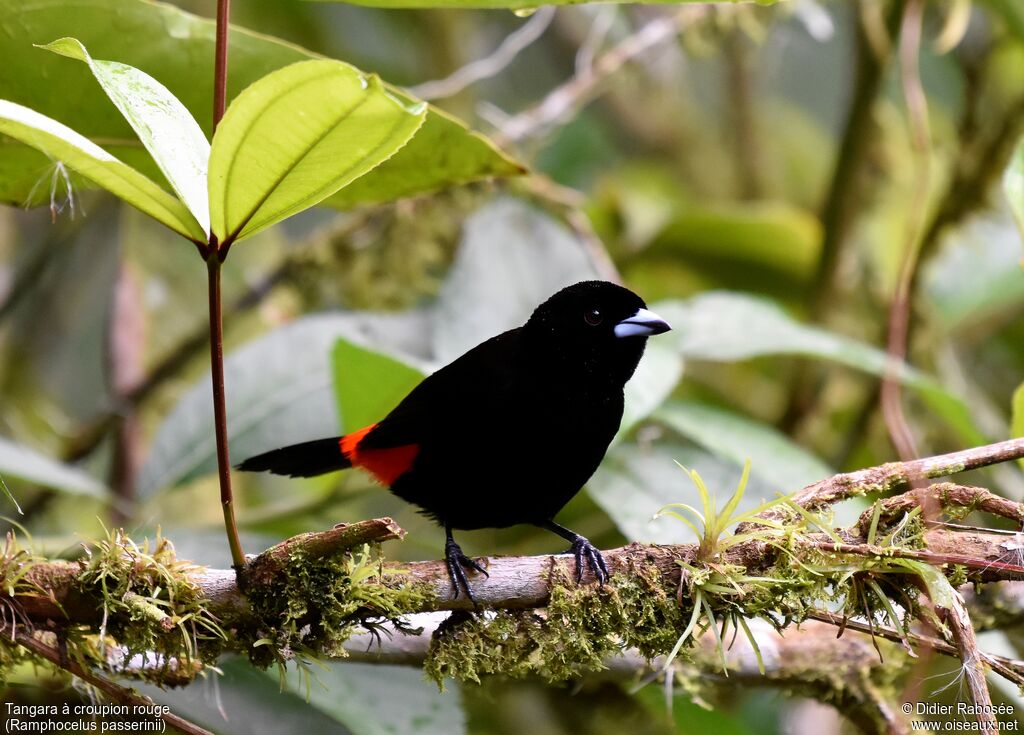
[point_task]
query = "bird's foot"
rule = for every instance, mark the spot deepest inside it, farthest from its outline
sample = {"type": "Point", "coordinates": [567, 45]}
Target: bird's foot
{"type": "Point", "coordinates": [457, 564]}
{"type": "Point", "coordinates": [586, 553]}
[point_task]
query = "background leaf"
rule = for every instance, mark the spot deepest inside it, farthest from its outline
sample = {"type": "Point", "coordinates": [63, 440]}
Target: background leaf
{"type": "Point", "coordinates": [295, 137]}
{"type": "Point", "coordinates": [245, 701]}
{"type": "Point", "coordinates": [635, 481]}
{"type": "Point", "coordinates": [977, 274]}
{"type": "Point", "coordinates": [657, 375]}
{"type": "Point", "coordinates": [167, 130]}
{"type": "Point", "coordinates": [278, 392]}
{"type": "Point", "coordinates": [177, 48]}
{"type": "Point", "coordinates": [64, 146]}
{"type": "Point", "coordinates": [17, 460]}
{"type": "Point", "coordinates": [511, 258]}
{"type": "Point", "coordinates": [774, 457]}
{"type": "Point", "coordinates": [368, 384]}
{"type": "Point", "coordinates": [727, 326]}
{"type": "Point", "coordinates": [722, 326]}
{"type": "Point", "coordinates": [772, 244]}
{"type": "Point", "coordinates": [372, 699]}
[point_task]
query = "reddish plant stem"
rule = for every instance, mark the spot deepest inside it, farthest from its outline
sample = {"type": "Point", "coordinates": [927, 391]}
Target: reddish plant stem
{"type": "Point", "coordinates": [215, 254]}
{"type": "Point", "coordinates": [899, 312]}
{"type": "Point", "coordinates": [1008, 668]}
{"type": "Point", "coordinates": [220, 71]}
{"type": "Point", "coordinates": [220, 414]}
{"type": "Point", "coordinates": [888, 552]}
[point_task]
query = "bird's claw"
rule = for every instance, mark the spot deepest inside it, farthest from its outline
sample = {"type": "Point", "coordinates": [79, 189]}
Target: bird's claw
{"type": "Point", "coordinates": [586, 553]}
{"type": "Point", "coordinates": [457, 563]}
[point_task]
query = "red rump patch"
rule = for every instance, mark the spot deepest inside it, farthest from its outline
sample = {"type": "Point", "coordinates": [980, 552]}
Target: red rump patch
{"type": "Point", "coordinates": [386, 464]}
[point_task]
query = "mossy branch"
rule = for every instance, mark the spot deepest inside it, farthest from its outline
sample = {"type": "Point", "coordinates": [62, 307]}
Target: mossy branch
{"type": "Point", "coordinates": [310, 594]}
{"type": "Point", "coordinates": [901, 475]}
{"type": "Point", "coordinates": [114, 691]}
{"type": "Point", "coordinates": [517, 583]}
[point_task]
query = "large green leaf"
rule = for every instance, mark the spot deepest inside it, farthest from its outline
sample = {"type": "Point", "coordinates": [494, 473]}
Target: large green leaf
{"type": "Point", "coordinates": [655, 378]}
{"type": "Point", "coordinates": [368, 383]}
{"type": "Point", "coordinates": [442, 153]}
{"type": "Point", "coordinates": [331, 697]}
{"type": "Point", "coordinates": [245, 701]}
{"type": "Point", "coordinates": [278, 392]}
{"type": "Point", "coordinates": [295, 137]}
{"type": "Point", "coordinates": [773, 456]}
{"type": "Point", "coordinates": [64, 145]}
{"type": "Point", "coordinates": [177, 48]}
{"type": "Point", "coordinates": [17, 460]}
{"type": "Point", "coordinates": [725, 326]}
{"type": "Point", "coordinates": [376, 699]}
{"type": "Point", "coordinates": [511, 258]}
{"type": "Point", "coordinates": [771, 235]}
{"type": "Point", "coordinates": [167, 130]}
{"type": "Point", "coordinates": [976, 275]}
{"type": "Point", "coordinates": [728, 326]}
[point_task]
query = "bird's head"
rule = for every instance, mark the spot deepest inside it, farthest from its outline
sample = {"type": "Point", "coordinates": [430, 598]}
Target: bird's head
{"type": "Point", "coordinates": [597, 327]}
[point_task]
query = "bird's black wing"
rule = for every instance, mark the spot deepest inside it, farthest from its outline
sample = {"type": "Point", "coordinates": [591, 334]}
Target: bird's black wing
{"type": "Point", "coordinates": [452, 396]}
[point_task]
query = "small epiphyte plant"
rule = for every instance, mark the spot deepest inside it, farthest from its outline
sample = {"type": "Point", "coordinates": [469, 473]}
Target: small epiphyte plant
{"type": "Point", "coordinates": [709, 580]}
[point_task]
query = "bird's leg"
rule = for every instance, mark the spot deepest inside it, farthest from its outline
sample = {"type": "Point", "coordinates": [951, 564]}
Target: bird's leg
{"type": "Point", "coordinates": [457, 561]}
{"type": "Point", "coordinates": [583, 551]}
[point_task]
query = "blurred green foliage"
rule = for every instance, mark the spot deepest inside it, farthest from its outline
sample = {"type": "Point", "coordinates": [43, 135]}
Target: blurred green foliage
{"type": "Point", "coordinates": [703, 172]}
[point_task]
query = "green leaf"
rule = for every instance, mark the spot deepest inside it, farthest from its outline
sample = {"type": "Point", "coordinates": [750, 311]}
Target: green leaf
{"type": "Point", "coordinates": [774, 457]}
{"type": "Point", "coordinates": [246, 701]}
{"type": "Point", "coordinates": [178, 48]}
{"type": "Point", "coordinates": [17, 460]}
{"type": "Point", "coordinates": [368, 383]}
{"type": "Point", "coordinates": [729, 326]}
{"type": "Point", "coordinates": [297, 136]}
{"type": "Point", "coordinates": [330, 697]}
{"type": "Point", "coordinates": [770, 235]}
{"type": "Point", "coordinates": [64, 146]}
{"type": "Point", "coordinates": [1013, 184]}
{"type": "Point", "coordinates": [976, 275]}
{"type": "Point", "coordinates": [444, 152]}
{"type": "Point", "coordinates": [723, 326]}
{"type": "Point", "coordinates": [377, 699]}
{"type": "Point", "coordinates": [940, 591]}
{"type": "Point", "coordinates": [279, 392]}
{"type": "Point", "coordinates": [167, 130]}
{"type": "Point", "coordinates": [657, 375]}
{"type": "Point", "coordinates": [512, 257]}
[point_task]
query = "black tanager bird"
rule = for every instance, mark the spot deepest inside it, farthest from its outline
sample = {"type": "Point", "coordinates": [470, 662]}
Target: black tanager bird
{"type": "Point", "coordinates": [510, 431]}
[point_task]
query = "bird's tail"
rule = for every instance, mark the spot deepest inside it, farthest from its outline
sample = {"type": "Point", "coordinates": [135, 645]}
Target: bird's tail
{"type": "Point", "coordinates": [300, 460]}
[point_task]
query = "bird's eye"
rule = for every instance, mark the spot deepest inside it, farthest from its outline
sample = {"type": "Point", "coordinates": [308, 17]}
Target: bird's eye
{"type": "Point", "coordinates": [593, 317]}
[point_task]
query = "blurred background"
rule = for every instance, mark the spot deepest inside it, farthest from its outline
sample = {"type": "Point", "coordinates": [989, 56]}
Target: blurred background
{"type": "Point", "coordinates": [755, 173]}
